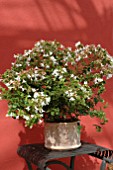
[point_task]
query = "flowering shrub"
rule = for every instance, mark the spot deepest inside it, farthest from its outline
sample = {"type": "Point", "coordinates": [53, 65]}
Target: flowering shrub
{"type": "Point", "coordinates": [56, 83]}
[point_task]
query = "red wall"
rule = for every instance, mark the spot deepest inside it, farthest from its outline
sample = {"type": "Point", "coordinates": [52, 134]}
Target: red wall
{"type": "Point", "coordinates": [22, 23]}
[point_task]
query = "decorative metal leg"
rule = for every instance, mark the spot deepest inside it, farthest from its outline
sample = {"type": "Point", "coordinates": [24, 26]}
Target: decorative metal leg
{"type": "Point", "coordinates": [72, 162]}
{"type": "Point", "coordinates": [103, 165]}
{"type": "Point", "coordinates": [58, 162]}
{"type": "Point", "coordinates": [29, 165]}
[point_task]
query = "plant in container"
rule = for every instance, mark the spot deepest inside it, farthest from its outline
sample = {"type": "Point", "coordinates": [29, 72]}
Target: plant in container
{"type": "Point", "coordinates": [58, 84]}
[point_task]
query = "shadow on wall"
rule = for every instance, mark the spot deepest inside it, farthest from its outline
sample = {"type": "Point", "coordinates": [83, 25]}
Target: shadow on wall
{"type": "Point", "coordinates": [64, 21]}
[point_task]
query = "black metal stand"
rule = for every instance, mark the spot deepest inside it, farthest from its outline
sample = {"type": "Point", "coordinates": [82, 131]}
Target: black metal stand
{"type": "Point", "coordinates": [42, 157]}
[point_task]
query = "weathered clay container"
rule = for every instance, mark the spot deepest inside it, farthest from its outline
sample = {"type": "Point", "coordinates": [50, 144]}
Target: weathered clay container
{"type": "Point", "coordinates": [62, 136]}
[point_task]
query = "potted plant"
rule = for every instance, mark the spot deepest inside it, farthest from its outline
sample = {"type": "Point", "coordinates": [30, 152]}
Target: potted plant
{"type": "Point", "coordinates": [57, 84]}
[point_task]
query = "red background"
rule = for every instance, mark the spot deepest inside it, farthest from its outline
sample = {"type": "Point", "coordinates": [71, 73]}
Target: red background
{"type": "Point", "coordinates": [22, 23]}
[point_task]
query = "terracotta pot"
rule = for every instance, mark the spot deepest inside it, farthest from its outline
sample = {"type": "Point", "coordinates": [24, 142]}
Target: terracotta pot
{"type": "Point", "coordinates": [62, 136]}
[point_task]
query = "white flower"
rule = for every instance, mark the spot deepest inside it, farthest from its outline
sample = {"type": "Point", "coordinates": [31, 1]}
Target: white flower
{"type": "Point", "coordinates": [18, 65]}
{"type": "Point", "coordinates": [12, 64]}
{"type": "Point", "coordinates": [42, 93]}
{"type": "Point", "coordinates": [85, 82]}
{"type": "Point", "coordinates": [33, 90]}
{"type": "Point", "coordinates": [7, 84]}
{"type": "Point", "coordinates": [23, 89]}
{"type": "Point", "coordinates": [17, 117]}
{"type": "Point", "coordinates": [28, 108]}
{"type": "Point", "coordinates": [36, 109]}
{"type": "Point", "coordinates": [78, 59]}
{"type": "Point", "coordinates": [10, 87]}
{"type": "Point", "coordinates": [53, 59]}
{"type": "Point", "coordinates": [16, 56]}
{"type": "Point", "coordinates": [69, 48]}
{"type": "Point", "coordinates": [50, 53]}
{"type": "Point", "coordinates": [83, 89]}
{"type": "Point", "coordinates": [55, 73]}
{"type": "Point", "coordinates": [42, 64]}
{"type": "Point", "coordinates": [72, 75]}
{"type": "Point", "coordinates": [43, 103]}
{"type": "Point", "coordinates": [37, 44]}
{"type": "Point", "coordinates": [77, 44]}
{"type": "Point", "coordinates": [23, 81]}
{"type": "Point", "coordinates": [36, 94]}
{"type": "Point", "coordinates": [41, 110]}
{"type": "Point", "coordinates": [40, 121]}
{"type": "Point", "coordinates": [29, 76]}
{"type": "Point", "coordinates": [71, 99]}
{"type": "Point", "coordinates": [109, 76]}
{"type": "Point", "coordinates": [17, 78]}
{"type": "Point", "coordinates": [43, 77]}
{"type": "Point", "coordinates": [10, 115]}
{"type": "Point", "coordinates": [27, 52]}
{"type": "Point", "coordinates": [98, 80]}
{"type": "Point", "coordinates": [47, 66]}
{"type": "Point", "coordinates": [29, 58]}
{"type": "Point", "coordinates": [48, 100]}
{"type": "Point", "coordinates": [61, 46]}
{"type": "Point", "coordinates": [64, 69]}
{"type": "Point", "coordinates": [29, 96]}
{"type": "Point", "coordinates": [60, 77]}
{"type": "Point", "coordinates": [26, 117]}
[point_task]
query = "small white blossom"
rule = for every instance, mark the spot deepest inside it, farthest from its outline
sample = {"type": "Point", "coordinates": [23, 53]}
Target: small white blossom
{"type": "Point", "coordinates": [17, 117]}
{"type": "Point", "coordinates": [29, 58]}
{"type": "Point", "coordinates": [37, 44]}
{"type": "Point", "coordinates": [50, 53]}
{"type": "Point", "coordinates": [64, 69]}
{"type": "Point", "coordinates": [55, 73]}
{"type": "Point", "coordinates": [24, 81]}
{"type": "Point", "coordinates": [7, 84]}
{"type": "Point", "coordinates": [98, 80]}
{"type": "Point", "coordinates": [23, 89]}
{"type": "Point", "coordinates": [32, 116]}
{"type": "Point", "coordinates": [83, 89]}
{"type": "Point", "coordinates": [40, 121]}
{"type": "Point", "coordinates": [18, 65]}
{"type": "Point", "coordinates": [78, 59]}
{"type": "Point", "coordinates": [33, 90]}
{"type": "Point", "coordinates": [42, 64]}
{"type": "Point", "coordinates": [71, 99]}
{"type": "Point", "coordinates": [47, 66]}
{"type": "Point", "coordinates": [17, 78]}
{"type": "Point", "coordinates": [16, 56]}
{"type": "Point", "coordinates": [45, 55]}
{"type": "Point", "coordinates": [26, 117]}
{"type": "Point", "coordinates": [77, 44]}
{"type": "Point", "coordinates": [53, 59]}
{"type": "Point", "coordinates": [26, 53]}
{"type": "Point", "coordinates": [36, 109]}
{"type": "Point", "coordinates": [48, 100]}
{"type": "Point", "coordinates": [29, 76]}
{"type": "Point", "coordinates": [109, 76]}
{"type": "Point", "coordinates": [36, 94]}
{"type": "Point", "coordinates": [69, 48]}
{"type": "Point", "coordinates": [29, 96]}
{"type": "Point", "coordinates": [12, 64]}
{"type": "Point", "coordinates": [85, 82]}
{"type": "Point", "coordinates": [28, 108]}
{"type": "Point", "coordinates": [61, 76]}
{"type": "Point", "coordinates": [72, 75]}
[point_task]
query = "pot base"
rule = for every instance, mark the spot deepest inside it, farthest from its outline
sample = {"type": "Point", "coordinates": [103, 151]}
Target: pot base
{"type": "Point", "coordinates": [62, 148]}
